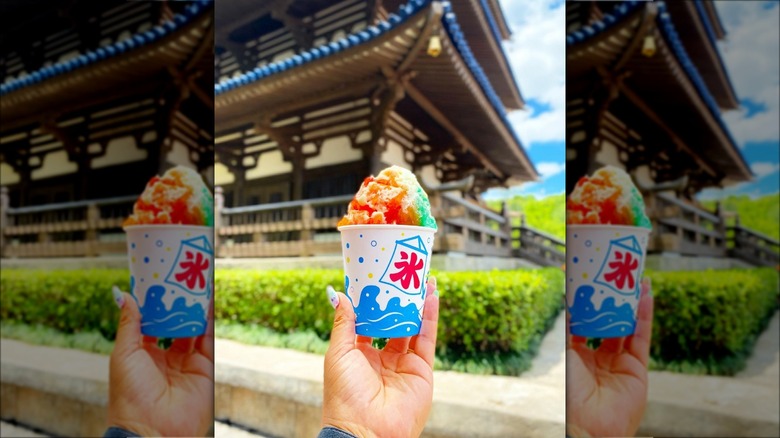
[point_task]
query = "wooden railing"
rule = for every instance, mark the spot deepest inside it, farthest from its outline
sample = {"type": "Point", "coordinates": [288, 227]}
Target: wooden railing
{"type": "Point", "coordinates": [293, 228]}
{"type": "Point", "coordinates": [754, 247]}
{"type": "Point", "coordinates": [684, 229]}
{"type": "Point", "coordinates": [539, 247]}
{"type": "Point", "coordinates": [68, 229]}
{"type": "Point", "coordinates": [468, 228]}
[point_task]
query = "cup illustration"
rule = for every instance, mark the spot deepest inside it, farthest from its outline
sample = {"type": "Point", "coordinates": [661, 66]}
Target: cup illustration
{"type": "Point", "coordinates": [385, 271]}
{"type": "Point", "coordinates": [604, 267]}
{"type": "Point", "coordinates": [171, 270]}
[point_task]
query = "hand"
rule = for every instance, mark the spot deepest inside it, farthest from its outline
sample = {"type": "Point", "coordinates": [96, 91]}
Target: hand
{"type": "Point", "coordinates": [388, 392]}
{"type": "Point", "coordinates": [156, 392]}
{"type": "Point", "coordinates": [606, 388]}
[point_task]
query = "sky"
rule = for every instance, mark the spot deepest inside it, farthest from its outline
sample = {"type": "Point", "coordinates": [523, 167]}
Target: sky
{"type": "Point", "coordinates": [537, 54]}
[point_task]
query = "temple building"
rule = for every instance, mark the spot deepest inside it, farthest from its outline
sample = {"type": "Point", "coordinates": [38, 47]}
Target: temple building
{"type": "Point", "coordinates": [95, 98]}
{"type": "Point", "coordinates": [313, 96]}
{"type": "Point", "coordinates": [645, 87]}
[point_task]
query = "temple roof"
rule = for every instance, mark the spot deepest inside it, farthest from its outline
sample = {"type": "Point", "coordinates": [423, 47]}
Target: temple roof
{"type": "Point", "coordinates": [484, 26]}
{"type": "Point", "coordinates": [683, 101]}
{"type": "Point", "coordinates": [454, 82]}
{"type": "Point", "coordinates": [105, 70]}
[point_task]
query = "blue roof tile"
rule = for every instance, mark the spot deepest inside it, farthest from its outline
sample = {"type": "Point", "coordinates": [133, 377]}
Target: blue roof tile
{"type": "Point", "coordinates": [109, 51]}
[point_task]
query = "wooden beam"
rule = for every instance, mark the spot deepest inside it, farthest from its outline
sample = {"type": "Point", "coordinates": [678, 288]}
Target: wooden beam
{"type": "Point", "coordinates": [655, 118]}
{"type": "Point", "coordinates": [442, 119]}
{"type": "Point", "coordinates": [355, 89]}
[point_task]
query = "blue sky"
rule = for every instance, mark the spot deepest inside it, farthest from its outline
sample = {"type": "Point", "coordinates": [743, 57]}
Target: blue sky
{"type": "Point", "coordinates": [537, 56]}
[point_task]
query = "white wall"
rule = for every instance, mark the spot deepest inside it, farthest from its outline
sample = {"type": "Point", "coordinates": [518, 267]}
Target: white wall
{"type": "Point", "coordinates": [54, 164]}
{"type": "Point", "coordinates": [334, 150]}
{"type": "Point", "coordinates": [8, 175]}
{"type": "Point", "coordinates": [222, 175]}
{"type": "Point", "coordinates": [119, 151]}
{"type": "Point", "coordinates": [269, 164]}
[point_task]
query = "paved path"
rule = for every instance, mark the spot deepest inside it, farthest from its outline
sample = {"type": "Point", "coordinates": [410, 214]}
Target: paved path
{"type": "Point", "coordinates": [764, 365]}
{"type": "Point", "coordinates": [10, 430]}
{"type": "Point", "coordinates": [224, 430]}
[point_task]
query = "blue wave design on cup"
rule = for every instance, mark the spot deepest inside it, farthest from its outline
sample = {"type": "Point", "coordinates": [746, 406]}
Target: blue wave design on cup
{"type": "Point", "coordinates": [610, 321]}
{"type": "Point", "coordinates": [396, 321]}
{"type": "Point", "coordinates": [181, 321]}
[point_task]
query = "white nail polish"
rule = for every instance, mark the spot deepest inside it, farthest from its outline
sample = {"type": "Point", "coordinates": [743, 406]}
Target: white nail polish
{"type": "Point", "coordinates": [119, 297]}
{"type": "Point", "coordinates": [332, 297]}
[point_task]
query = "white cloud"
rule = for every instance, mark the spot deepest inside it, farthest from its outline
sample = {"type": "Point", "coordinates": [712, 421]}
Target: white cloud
{"type": "Point", "coordinates": [537, 54]}
{"type": "Point", "coordinates": [547, 169]}
{"type": "Point", "coordinates": [750, 54]}
{"type": "Point", "coordinates": [762, 169]}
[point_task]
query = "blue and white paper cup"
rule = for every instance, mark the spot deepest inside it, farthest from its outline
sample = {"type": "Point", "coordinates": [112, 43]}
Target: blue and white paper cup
{"type": "Point", "coordinates": [385, 271]}
{"type": "Point", "coordinates": [604, 267]}
{"type": "Point", "coordinates": [171, 272]}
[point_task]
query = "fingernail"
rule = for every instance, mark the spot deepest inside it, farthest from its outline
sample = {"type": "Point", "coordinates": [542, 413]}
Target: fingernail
{"type": "Point", "coordinates": [332, 297]}
{"type": "Point", "coordinates": [119, 297]}
{"type": "Point", "coordinates": [432, 287]}
{"type": "Point", "coordinates": [648, 286]}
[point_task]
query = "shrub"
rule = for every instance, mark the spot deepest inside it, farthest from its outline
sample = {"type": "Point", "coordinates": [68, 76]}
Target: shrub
{"type": "Point", "coordinates": [69, 301]}
{"type": "Point", "coordinates": [710, 318]}
{"type": "Point", "coordinates": [481, 312]}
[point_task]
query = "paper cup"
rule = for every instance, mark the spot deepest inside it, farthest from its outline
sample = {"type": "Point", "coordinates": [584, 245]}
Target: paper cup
{"type": "Point", "coordinates": [171, 269]}
{"type": "Point", "coordinates": [604, 266]}
{"type": "Point", "coordinates": [385, 271]}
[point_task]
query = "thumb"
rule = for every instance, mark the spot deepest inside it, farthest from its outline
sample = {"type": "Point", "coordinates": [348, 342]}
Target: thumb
{"type": "Point", "coordinates": [128, 335]}
{"type": "Point", "coordinates": [342, 337]}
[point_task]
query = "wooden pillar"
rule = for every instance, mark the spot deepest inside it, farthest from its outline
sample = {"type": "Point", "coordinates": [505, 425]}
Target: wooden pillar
{"type": "Point", "coordinates": [219, 204]}
{"type": "Point", "coordinates": [299, 166]}
{"type": "Point", "coordinates": [238, 186]}
{"type": "Point", "coordinates": [91, 234]}
{"type": "Point", "coordinates": [4, 222]}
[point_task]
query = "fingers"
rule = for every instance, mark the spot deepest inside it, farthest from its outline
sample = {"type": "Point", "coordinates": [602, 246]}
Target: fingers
{"type": "Point", "coordinates": [149, 341]}
{"type": "Point", "coordinates": [398, 345]}
{"type": "Point", "coordinates": [425, 342]}
{"type": "Point", "coordinates": [182, 345]}
{"type": "Point", "coordinates": [342, 337]}
{"type": "Point", "coordinates": [128, 335]}
{"type": "Point", "coordinates": [205, 344]}
{"type": "Point", "coordinates": [638, 345]}
{"type": "Point", "coordinates": [368, 340]}
{"type": "Point", "coordinates": [611, 345]}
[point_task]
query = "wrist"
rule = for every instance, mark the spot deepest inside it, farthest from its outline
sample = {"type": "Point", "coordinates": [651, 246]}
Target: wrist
{"type": "Point", "coordinates": [136, 428]}
{"type": "Point", "coordinates": [349, 427]}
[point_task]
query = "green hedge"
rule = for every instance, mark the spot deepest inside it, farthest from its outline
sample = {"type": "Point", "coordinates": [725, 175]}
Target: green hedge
{"type": "Point", "coordinates": [69, 301]}
{"type": "Point", "coordinates": [482, 312]}
{"type": "Point", "coordinates": [708, 321]}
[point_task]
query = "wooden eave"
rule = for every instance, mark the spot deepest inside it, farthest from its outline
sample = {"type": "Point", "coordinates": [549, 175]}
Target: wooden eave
{"type": "Point", "coordinates": [450, 86]}
{"type": "Point", "coordinates": [662, 83]}
{"type": "Point", "coordinates": [445, 82]}
{"type": "Point", "coordinates": [488, 50]}
{"type": "Point", "coordinates": [717, 25]}
{"type": "Point", "coordinates": [702, 51]}
{"type": "Point", "coordinates": [476, 27]}
{"type": "Point", "coordinates": [129, 73]}
{"type": "Point", "coordinates": [498, 13]}
{"type": "Point", "coordinates": [352, 72]}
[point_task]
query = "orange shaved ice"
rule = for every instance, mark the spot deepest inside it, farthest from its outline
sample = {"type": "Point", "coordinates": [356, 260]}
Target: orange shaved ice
{"type": "Point", "coordinates": [607, 197]}
{"type": "Point", "coordinates": [392, 197]}
{"type": "Point", "coordinates": [177, 197]}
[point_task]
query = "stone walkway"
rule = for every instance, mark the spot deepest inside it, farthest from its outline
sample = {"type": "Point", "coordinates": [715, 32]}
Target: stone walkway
{"type": "Point", "coordinates": [10, 430]}
{"type": "Point", "coordinates": [764, 365]}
